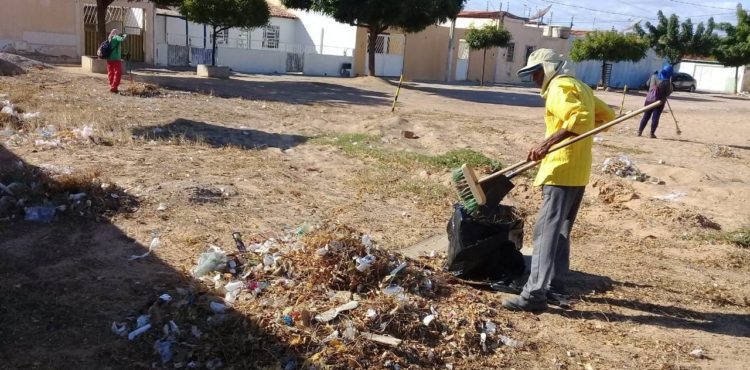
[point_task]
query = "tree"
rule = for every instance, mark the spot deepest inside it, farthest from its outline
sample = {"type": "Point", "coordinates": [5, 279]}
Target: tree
{"type": "Point", "coordinates": [489, 36]}
{"type": "Point", "coordinates": [101, 14]}
{"type": "Point", "coordinates": [673, 40]}
{"type": "Point", "coordinates": [379, 15]}
{"type": "Point", "coordinates": [609, 46]}
{"type": "Point", "coordinates": [222, 15]}
{"type": "Point", "coordinates": [734, 49]}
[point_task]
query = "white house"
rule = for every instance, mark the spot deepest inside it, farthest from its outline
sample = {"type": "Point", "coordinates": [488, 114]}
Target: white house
{"type": "Point", "coordinates": [292, 41]}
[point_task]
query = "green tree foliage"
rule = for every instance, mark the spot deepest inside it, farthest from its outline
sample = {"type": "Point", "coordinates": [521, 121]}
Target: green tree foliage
{"type": "Point", "coordinates": [378, 15]}
{"type": "Point", "coordinates": [222, 15]}
{"type": "Point", "coordinates": [673, 40]}
{"type": "Point", "coordinates": [734, 49]}
{"type": "Point", "coordinates": [609, 46]}
{"type": "Point", "coordinates": [486, 37]}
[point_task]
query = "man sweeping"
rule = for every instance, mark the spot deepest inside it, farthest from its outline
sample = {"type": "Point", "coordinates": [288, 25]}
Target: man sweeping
{"type": "Point", "coordinates": [571, 110]}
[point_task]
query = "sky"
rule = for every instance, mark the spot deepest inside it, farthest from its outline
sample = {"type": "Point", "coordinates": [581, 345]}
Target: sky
{"type": "Point", "coordinates": [605, 14]}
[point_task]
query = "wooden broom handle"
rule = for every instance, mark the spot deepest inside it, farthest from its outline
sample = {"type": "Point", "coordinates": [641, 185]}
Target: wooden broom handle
{"type": "Point", "coordinates": [521, 167]}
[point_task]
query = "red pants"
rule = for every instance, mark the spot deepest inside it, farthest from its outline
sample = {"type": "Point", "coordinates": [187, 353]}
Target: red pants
{"type": "Point", "coordinates": [114, 72]}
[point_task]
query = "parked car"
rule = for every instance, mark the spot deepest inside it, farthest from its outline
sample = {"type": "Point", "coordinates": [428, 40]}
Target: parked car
{"type": "Point", "coordinates": [683, 81]}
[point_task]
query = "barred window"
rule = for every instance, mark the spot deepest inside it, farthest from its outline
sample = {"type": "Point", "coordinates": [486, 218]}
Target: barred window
{"type": "Point", "coordinates": [271, 37]}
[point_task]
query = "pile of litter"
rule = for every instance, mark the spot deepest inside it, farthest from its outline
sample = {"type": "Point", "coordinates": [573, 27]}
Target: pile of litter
{"type": "Point", "coordinates": [141, 90]}
{"type": "Point", "coordinates": [622, 166]}
{"type": "Point", "coordinates": [723, 151]}
{"type": "Point", "coordinates": [12, 116]}
{"type": "Point", "coordinates": [331, 299]}
{"type": "Point", "coordinates": [43, 193]}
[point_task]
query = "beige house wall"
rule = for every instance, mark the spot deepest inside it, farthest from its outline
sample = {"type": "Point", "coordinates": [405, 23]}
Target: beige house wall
{"type": "Point", "coordinates": [426, 52]}
{"type": "Point", "coordinates": [55, 27]}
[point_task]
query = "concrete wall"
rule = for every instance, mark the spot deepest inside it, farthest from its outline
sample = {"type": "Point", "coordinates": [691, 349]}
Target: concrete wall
{"type": "Point", "coordinates": [252, 61]}
{"type": "Point", "coordinates": [426, 54]}
{"type": "Point", "coordinates": [324, 65]}
{"type": "Point", "coordinates": [41, 26]}
{"type": "Point", "coordinates": [54, 28]}
{"type": "Point", "coordinates": [633, 74]}
{"type": "Point", "coordinates": [713, 77]}
{"type": "Point", "coordinates": [325, 34]}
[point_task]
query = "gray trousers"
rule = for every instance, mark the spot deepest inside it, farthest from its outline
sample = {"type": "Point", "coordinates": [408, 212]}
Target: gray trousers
{"type": "Point", "coordinates": [550, 261]}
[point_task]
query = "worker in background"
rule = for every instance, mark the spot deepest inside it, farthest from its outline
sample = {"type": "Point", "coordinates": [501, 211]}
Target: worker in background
{"type": "Point", "coordinates": [571, 110]}
{"type": "Point", "coordinates": [114, 60]}
{"type": "Point", "coordinates": [660, 87]}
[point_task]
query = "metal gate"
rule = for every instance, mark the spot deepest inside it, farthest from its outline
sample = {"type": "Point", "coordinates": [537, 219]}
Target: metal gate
{"type": "Point", "coordinates": [389, 55]}
{"type": "Point", "coordinates": [127, 20]}
{"type": "Point", "coordinates": [295, 62]}
{"type": "Point", "coordinates": [178, 55]}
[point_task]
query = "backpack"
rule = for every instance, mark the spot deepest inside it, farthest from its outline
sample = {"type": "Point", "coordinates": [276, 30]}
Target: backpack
{"type": "Point", "coordinates": [105, 50]}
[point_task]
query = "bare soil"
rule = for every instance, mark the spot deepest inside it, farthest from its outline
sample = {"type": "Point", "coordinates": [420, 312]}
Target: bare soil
{"type": "Point", "coordinates": [653, 279]}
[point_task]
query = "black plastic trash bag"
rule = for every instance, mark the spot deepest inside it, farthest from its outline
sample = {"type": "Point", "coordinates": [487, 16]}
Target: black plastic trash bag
{"type": "Point", "coordinates": [486, 246]}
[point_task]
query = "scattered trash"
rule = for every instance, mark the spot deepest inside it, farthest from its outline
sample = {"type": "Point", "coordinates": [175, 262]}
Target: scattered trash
{"type": "Point", "coordinates": [671, 197]}
{"type": "Point", "coordinates": [43, 214]}
{"type": "Point", "coordinates": [210, 261]}
{"type": "Point", "coordinates": [490, 327]}
{"type": "Point", "coordinates": [364, 263]}
{"type": "Point", "coordinates": [428, 319]}
{"type": "Point", "coordinates": [48, 143]}
{"type": "Point", "coordinates": [165, 297]}
{"type": "Point", "coordinates": [161, 207]}
{"type": "Point", "coordinates": [371, 314]}
{"type": "Point", "coordinates": [661, 161]}
{"type": "Point", "coordinates": [142, 321]}
{"type": "Point", "coordinates": [698, 353]}
{"type": "Point", "coordinates": [155, 243]}
{"type": "Point", "coordinates": [238, 242]}
{"type": "Point", "coordinates": [119, 328]}
{"type": "Point", "coordinates": [164, 349]}
{"type": "Point", "coordinates": [392, 290]}
{"type": "Point", "coordinates": [398, 269]}
{"type": "Point", "coordinates": [723, 151]}
{"type": "Point", "coordinates": [510, 342]}
{"type": "Point", "coordinates": [26, 116]}
{"type": "Point", "coordinates": [598, 139]}
{"type": "Point", "coordinates": [622, 166]}
{"type": "Point", "coordinates": [217, 307]}
{"type": "Point", "coordinates": [333, 313]}
{"type": "Point", "coordinates": [195, 332]}
{"type": "Point", "coordinates": [383, 339]}
{"type": "Point", "coordinates": [304, 229]}
{"type": "Point", "coordinates": [137, 332]}
{"type": "Point", "coordinates": [350, 333]}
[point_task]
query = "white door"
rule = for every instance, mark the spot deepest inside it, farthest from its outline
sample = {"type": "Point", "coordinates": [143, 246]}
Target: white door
{"type": "Point", "coordinates": [462, 63]}
{"type": "Point", "coordinates": [389, 56]}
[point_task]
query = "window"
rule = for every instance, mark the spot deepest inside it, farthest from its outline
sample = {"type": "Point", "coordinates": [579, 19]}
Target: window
{"type": "Point", "coordinates": [271, 37]}
{"type": "Point", "coordinates": [529, 50]}
{"type": "Point", "coordinates": [222, 37]}
{"type": "Point", "coordinates": [510, 52]}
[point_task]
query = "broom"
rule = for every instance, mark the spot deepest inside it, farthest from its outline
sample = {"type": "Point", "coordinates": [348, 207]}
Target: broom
{"type": "Point", "coordinates": [676, 126]}
{"type": "Point", "coordinates": [471, 190]}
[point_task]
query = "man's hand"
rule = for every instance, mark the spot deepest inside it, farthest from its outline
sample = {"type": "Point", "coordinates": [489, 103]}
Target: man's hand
{"type": "Point", "coordinates": [538, 152]}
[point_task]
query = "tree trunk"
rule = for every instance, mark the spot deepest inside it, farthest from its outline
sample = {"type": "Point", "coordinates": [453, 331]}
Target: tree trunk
{"type": "Point", "coordinates": [213, 48]}
{"type": "Point", "coordinates": [372, 40]}
{"type": "Point", "coordinates": [101, 19]}
{"type": "Point", "coordinates": [484, 60]}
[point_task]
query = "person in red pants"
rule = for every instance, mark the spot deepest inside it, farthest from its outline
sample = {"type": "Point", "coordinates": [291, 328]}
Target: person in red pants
{"type": "Point", "coordinates": [114, 61]}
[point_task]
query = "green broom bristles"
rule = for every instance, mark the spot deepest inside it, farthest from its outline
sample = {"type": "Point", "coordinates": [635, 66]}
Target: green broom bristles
{"type": "Point", "coordinates": [465, 197]}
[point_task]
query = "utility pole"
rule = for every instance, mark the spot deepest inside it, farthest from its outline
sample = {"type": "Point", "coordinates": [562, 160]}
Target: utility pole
{"type": "Point", "coordinates": [571, 22]}
{"type": "Point", "coordinates": [451, 33]}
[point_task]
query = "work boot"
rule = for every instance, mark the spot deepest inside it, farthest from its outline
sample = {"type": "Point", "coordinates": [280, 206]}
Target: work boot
{"type": "Point", "coordinates": [519, 303]}
{"type": "Point", "coordinates": [640, 133]}
{"type": "Point", "coordinates": [653, 136]}
{"type": "Point", "coordinates": [512, 287]}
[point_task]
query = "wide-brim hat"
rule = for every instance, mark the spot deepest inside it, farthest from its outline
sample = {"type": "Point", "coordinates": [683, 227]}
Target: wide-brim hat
{"type": "Point", "coordinates": [537, 59]}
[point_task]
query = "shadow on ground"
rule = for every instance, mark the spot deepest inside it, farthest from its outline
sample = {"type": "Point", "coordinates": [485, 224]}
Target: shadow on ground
{"type": "Point", "coordinates": [63, 284]}
{"type": "Point", "coordinates": [743, 147]}
{"type": "Point", "coordinates": [476, 94]}
{"type": "Point", "coordinates": [219, 136]}
{"type": "Point", "coordinates": [294, 92]}
{"type": "Point", "coordinates": [736, 325]}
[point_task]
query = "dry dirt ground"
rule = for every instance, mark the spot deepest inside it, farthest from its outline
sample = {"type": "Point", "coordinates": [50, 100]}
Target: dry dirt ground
{"type": "Point", "coordinates": [653, 279]}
